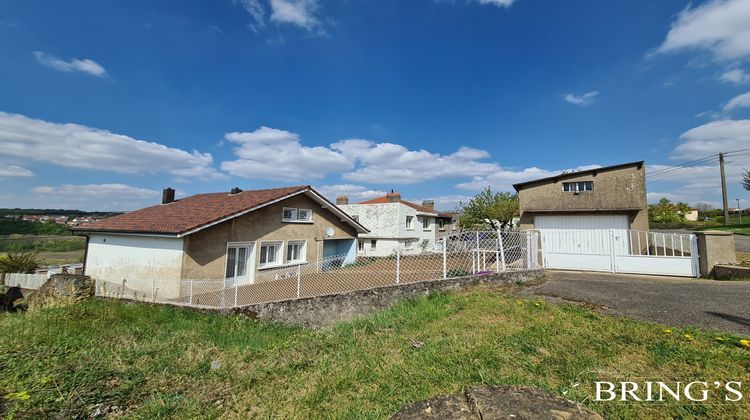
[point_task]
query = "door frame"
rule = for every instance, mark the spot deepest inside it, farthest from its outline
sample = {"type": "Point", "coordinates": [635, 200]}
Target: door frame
{"type": "Point", "coordinates": [249, 276]}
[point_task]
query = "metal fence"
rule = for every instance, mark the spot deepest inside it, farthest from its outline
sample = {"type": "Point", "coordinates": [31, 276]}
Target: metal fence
{"type": "Point", "coordinates": [457, 255]}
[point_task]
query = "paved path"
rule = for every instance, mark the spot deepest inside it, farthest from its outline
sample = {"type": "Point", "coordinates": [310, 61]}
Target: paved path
{"type": "Point", "coordinates": [741, 242]}
{"type": "Point", "coordinates": [718, 305]}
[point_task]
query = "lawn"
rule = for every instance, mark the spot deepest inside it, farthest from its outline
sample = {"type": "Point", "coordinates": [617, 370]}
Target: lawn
{"type": "Point", "coordinates": [156, 361]}
{"type": "Point", "coordinates": [743, 229]}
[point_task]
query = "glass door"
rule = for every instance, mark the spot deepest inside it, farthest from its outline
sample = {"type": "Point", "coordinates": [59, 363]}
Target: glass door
{"type": "Point", "coordinates": [240, 264]}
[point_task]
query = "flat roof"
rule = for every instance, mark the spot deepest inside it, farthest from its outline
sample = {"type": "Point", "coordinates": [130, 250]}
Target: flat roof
{"type": "Point", "coordinates": [556, 178]}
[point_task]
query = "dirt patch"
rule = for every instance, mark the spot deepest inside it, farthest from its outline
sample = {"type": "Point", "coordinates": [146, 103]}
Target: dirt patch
{"type": "Point", "coordinates": [509, 401]}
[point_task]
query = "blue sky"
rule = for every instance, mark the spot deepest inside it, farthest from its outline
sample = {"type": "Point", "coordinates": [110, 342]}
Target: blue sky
{"type": "Point", "coordinates": [103, 103]}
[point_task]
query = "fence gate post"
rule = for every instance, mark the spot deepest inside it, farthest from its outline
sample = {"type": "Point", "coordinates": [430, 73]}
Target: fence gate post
{"type": "Point", "coordinates": [398, 264]}
{"type": "Point", "coordinates": [612, 246]}
{"type": "Point", "coordinates": [528, 249]}
{"type": "Point", "coordinates": [445, 257]}
{"type": "Point", "coordinates": [298, 280]}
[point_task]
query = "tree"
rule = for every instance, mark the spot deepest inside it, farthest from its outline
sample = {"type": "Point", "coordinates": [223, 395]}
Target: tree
{"type": "Point", "coordinates": [746, 180]}
{"type": "Point", "coordinates": [488, 208]}
{"type": "Point", "coordinates": [666, 212]}
{"type": "Point", "coordinates": [704, 207]}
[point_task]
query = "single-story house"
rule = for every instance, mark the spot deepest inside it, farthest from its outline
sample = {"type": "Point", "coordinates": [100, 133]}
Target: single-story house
{"type": "Point", "coordinates": [396, 223]}
{"type": "Point", "coordinates": [612, 197]}
{"type": "Point", "coordinates": [225, 235]}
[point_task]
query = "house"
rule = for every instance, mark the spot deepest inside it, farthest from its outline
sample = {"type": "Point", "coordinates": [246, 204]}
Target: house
{"type": "Point", "coordinates": [396, 223]}
{"type": "Point", "coordinates": [225, 235]}
{"type": "Point", "coordinates": [601, 198]}
{"type": "Point", "coordinates": [692, 215]}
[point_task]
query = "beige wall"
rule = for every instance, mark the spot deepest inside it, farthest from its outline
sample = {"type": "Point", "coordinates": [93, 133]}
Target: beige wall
{"type": "Point", "coordinates": [616, 191]}
{"type": "Point", "coordinates": [205, 250]}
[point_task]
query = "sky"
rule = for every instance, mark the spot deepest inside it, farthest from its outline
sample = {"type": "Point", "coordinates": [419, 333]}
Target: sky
{"type": "Point", "coordinates": [104, 103]}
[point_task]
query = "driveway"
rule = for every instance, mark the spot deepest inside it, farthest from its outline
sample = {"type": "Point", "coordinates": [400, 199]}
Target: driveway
{"type": "Point", "coordinates": [741, 242]}
{"type": "Point", "coordinates": [717, 305]}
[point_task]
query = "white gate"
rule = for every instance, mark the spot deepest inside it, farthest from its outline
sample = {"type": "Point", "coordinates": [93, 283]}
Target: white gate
{"type": "Point", "coordinates": [620, 251]}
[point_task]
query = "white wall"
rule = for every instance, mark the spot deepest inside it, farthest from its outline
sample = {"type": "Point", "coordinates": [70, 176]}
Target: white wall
{"type": "Point", "coordinates": [137, 259]}
{"type": "Point", "coordinates": [387, 224]}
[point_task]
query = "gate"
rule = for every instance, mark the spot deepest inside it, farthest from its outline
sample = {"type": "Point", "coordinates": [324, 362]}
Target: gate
{"type": "Point", "coordinates": [621, 251]}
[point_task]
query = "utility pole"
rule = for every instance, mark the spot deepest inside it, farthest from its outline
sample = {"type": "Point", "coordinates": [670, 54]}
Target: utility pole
{"type": "Point", "coordinates": [739, 210]}
{"type": "Point", "coordinates": [724, 189]}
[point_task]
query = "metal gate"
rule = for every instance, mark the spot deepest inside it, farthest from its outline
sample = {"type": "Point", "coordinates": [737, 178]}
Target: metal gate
{"type": "Point", "coordinates": [621, 251]}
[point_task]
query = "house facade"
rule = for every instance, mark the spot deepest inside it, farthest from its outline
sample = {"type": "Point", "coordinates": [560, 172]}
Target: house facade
{"type": "Point", "coordinates": [612, 197]}
{"type": "Point", "coordinates": [395, 223]}
{"type": "Point", "coordinates": [230, 236]}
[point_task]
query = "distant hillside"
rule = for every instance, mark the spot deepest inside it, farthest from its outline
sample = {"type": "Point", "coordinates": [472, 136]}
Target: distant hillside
{"type": "Point", "coordinates": [60, 212]}
{"type": "Point", "coordinates": [21, 227]}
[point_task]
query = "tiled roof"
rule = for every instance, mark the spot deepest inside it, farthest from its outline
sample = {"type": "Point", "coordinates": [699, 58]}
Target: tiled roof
{"type": "Point", "coordinates": [384, 199]}
{"type": "Point", "coordinates": [188, 213]}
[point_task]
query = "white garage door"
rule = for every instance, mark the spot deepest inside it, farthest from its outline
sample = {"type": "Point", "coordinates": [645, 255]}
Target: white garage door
{"type": "Point", "coordinates": [582, 242]}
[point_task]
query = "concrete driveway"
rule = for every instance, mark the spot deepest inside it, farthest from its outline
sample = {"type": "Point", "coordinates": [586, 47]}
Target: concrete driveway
{"type": "Point", "coordinates": [741, 242]}
{"type": "Point", "coordinates": [672, 301]}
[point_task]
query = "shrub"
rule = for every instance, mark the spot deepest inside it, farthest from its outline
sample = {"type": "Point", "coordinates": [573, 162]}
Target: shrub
{"type": "Point", "coordinates": [19, 263]}
{"type": "Point", "coordinates": [457, 272]}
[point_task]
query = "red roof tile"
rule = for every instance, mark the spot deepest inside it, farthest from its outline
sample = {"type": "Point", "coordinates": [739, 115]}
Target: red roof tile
{"type": "Point", "coordinates": [189, 213]}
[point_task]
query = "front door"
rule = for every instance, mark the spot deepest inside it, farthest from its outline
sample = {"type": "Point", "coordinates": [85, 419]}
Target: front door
{"type": "Point", "coordinates": [240, 266]}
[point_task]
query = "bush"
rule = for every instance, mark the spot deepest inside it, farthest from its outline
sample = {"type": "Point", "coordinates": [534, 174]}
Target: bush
{"type": "Point", "coordinates": [19, 263]}
{"type": "Point", "coordinates": [457, 272]}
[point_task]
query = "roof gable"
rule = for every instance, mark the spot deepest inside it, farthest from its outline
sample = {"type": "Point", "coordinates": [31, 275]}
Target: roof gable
{"type": "Point", "coordinates": [521, 185]}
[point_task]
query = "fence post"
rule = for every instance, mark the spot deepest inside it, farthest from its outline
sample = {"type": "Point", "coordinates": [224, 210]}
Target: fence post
{"type": "Point", "coordinates": [528, 249]}
{"type": "Point", "coordinates": [501, 248]}
{"type": "Point", "coordinates": [398, 264]}
{"type": "Point", "coordinates": [235, 293]}
{"type": "Point", "coordinates": [445, 257]}
{"type": "Point", "coordinates": [298, 280]}
{"type": "Point", "coordinates": [190, 300]}
{"type": "Point", "coordinates": [153, 290]}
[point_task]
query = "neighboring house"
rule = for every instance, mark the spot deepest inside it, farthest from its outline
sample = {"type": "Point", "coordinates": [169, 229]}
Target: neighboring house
{"type": "Point", "coordinates": [396, 223]}
{"type": "Point", "coordinates": [692, 215]}
{"type": "Point", "coordinates": [602, 198]}
{"type": "Point", "coordinates": [225, 235]}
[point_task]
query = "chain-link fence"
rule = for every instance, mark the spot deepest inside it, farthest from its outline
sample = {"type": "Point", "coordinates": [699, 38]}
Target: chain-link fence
{"type": "Point", "coordinates": [457, 255]}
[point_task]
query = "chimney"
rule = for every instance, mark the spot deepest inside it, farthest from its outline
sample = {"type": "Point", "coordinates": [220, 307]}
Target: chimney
{"type": "Point", "coordinates": [393, 197]}
{"type": "Point", "coordinates": [430, 204]}
{"type": "Point", "coordinates": [235, 190]}
{"type": "Point", "coordinates": [342, 200]}
{"type": "Point", "coordinates": [167, 196]}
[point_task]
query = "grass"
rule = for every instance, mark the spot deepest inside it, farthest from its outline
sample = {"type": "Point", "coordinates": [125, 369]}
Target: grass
{"type": "Point", "coordinates": [156, 361]}
{"type": "Point", "coordinates": [741, 229]}
{"type": "Point", "coordinates": [59, 258]}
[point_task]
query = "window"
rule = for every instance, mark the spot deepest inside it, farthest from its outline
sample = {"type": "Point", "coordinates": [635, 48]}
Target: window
{"type": "Point", "coordinates": [441, 224]}
{"type": "Point", "coordinates": [373, 244]}
{"type": "Point", "coordinates": [296, 251]}
{"type": "Point", "coordinates": [237, 256]}
{"type": "Point", "coordinates": [290, 214]}
{"type": "Point", "coordinates": [361, 245]}
{"type": "Point", "coordinates": [426, 223]}
{"type": "Point", "coordinates": [270, 254]}
{"type": "Point", "coordinates": [578, 186]}
{"type": "Point", "coordinates": [410, 222]}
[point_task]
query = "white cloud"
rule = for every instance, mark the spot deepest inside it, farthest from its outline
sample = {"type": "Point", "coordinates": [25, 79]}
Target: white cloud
{"type": "Point", "coordinates": [395, 164]}
{"type": "Point", "coordinates": [301, 13]}
{"type": "Point", "coordinates": [14, 171]}
{"type": "Point", "coordinates": [256, 10]}
{"type": "Point", "coordinates": [268, 153]}
{"type": "Point", "coordinates": [498, 3]}
{"type": "Point", "coordinates": [718, 26]}
{"type": "Point", "coordinates": [450, 202]}
{"type": "Point", "coordinates": [736, 76]}
{"type": "Point", "coordinates": [81, 147]}
{"type": "Point", "coordinates": [503, 179]}
{"type": "Point", "coordinates": [107, 197]}
{"type": "Point", "coordinates": [713, 137]}
{"type": "Point", "coordinates": [74, 65]}
{"type": "Point", "coordinates": [584, 99]}
{"type": "Point", "coordinates": [739, 101]}
{"type": "Point", "coordinates": [354, 192]}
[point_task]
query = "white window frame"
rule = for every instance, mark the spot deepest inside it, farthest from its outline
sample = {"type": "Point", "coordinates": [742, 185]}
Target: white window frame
{"type": "Point", "coordinates": [373, 244]}
{"type": "Point", "coordinates": [249, 263]}
{"type": "Point", "coordinates": [409, 222]}
{"type": "Point", "coordinates": [441, 224]}
{"type": "Point", "coordinates": [279, 254]}
{"type": "Point", "coordinates": [574, 186]}
{"type": "Point", "coordinates": [295, 218]}
{"type": "Point", "coordinates": [426, 220]}
{"type": "Point", "coordinates": [302, 251]}
{"type": "Point", "coordinates": [361, 246]}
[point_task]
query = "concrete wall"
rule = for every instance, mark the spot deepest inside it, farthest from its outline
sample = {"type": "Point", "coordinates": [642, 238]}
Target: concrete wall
{"type": "Point", "coordinates": [205, 250]}
{"type": "Point", "coordinates": [616, 191]}
{"type": "Point", "coordinates": [137, 259]}
{"type": "Point", "coordinates": [715, 247]}
{"type": "Point", "coordinates": [387, 224]}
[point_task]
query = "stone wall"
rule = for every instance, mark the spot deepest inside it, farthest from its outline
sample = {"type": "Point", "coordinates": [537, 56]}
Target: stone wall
{"type": "Point", "coordinates": [326, 310]}
{"type": "Point", "coordinates": [715, 247]}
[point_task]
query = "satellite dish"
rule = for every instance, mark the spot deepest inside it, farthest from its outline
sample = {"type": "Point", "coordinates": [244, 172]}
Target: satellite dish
{"type": "Point", "coordinates": [329, 232]}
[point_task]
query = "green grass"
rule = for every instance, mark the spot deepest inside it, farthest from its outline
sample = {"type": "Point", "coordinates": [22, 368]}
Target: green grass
{"type": "Point", "coordinates": [155, 362]}
{"type": "Point", "coordinates": [743, 229]}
